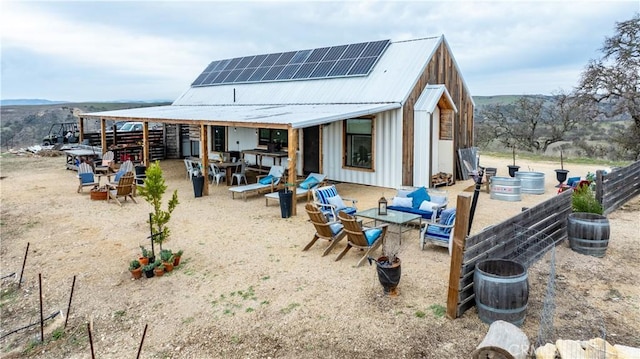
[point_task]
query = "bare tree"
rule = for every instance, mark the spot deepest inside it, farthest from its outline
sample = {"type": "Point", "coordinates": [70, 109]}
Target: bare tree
{"type": "Point", "coordinates": [614, 81]}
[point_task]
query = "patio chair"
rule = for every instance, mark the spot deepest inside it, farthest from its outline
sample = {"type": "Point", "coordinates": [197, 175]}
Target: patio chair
{"type": "Point", "coordinates": [329, 202]}
{"type": "Point", "coordinates": [439, 233]}
{"type": "Point", "coordinates": [105, 165]}
{"type": "Point", "coordinates": [86, 177]}
{"type": "Point", "coordinates": [364, 238]}
{"type": "Point", "coordinates": [127, 166]}
{"type": "Point", "coordinates": [267, 182]}
{"type": "Point", "coordinates": [303, 189]}
{"type": "Point", "coordinates": [216, 174]}
{"type": "Point", "coordinates": [330, 231]}
{"type": "Point", "coordinates": [124, 188]}
{"type": "Point", "coordinates": [192, 167]}
{"type": "Point", "coordinates": [240, 174]}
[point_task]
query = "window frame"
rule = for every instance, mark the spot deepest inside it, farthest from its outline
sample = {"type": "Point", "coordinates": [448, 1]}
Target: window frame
{"type": "Point", "coordinates": [268, 135]}
{"type": "Point", "coordinates": [348, 153]}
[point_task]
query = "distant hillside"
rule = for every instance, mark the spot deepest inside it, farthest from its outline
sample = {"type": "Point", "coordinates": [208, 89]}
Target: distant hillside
{"type": "Point", "coordinates": [481, 101]}
{"type": "Point", "coordinates": [27, 102]}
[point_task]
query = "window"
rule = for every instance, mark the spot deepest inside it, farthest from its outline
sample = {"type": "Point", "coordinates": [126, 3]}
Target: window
{"type": "Point", "coordinates": [218, 136]}
{"type": "Point", "coordinates": [268, 135]}
{"type": "Point", "coordinates": [358, 142]}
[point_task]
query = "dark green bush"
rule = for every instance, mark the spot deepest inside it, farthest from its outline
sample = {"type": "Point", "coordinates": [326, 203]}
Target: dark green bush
{"type": "Point", "coordinates": [584, 200]}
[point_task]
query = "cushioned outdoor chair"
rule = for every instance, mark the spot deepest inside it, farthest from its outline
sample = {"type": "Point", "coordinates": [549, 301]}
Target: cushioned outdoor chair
{"type": "Point", "coordinates": [364, 238]}
{"type": "Point", "coordinates": [86, 177]}
{"type": "Point", "coordinates": [330, 203]}
{"type": "Point", "coordinates": [127, 166]}
{"type": "Point", "coordinates": [266, 183]}
{"type": "Point", "coordinates": [330, 231]}
{"type": "Point", "coordinates": [303, 188]}
{"type": "Point", "coordinates": [441, 232]}
{"type": "Point", "coordinates": [124, 188]}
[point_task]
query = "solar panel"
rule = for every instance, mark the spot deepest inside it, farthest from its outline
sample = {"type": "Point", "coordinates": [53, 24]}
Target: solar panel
{"type": "Point", "coordinates": [325, 62]}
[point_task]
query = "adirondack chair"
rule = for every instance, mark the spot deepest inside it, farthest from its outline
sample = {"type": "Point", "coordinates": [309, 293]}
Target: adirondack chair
{"type": "Point", "coordinates": [105, 165]}
{"type": "Point", "coordinates": [365, 238]}
{"type": "Point", "coordinates": [86, 177]}
{"type": "Point", "coordinates": [127, 166]}
{"type": "Point", "coordinates": [124, 188]}
{"type": "Point", "coordinates": [330, 231]}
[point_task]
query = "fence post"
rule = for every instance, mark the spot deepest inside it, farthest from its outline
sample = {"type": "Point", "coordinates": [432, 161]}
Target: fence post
{"type": "Point", "coordinates": [460, 231]}
{"type": "Point", "coordinates": [599, 185]}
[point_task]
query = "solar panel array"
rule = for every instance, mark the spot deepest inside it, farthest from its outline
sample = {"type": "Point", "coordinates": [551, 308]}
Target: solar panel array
{"type": "Point", "coordinates": [326, 62]}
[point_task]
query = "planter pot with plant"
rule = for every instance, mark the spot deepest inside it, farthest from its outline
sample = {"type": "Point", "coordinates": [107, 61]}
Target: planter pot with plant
{"type": "Point", "coordinates": [148, 270]}
{"type": "Point", "coordinates": [388, 267]}
{"type": "Point", "coordinates": [587, 228]}
{"type": "Point", "coordinates": [135, 268]}
{"type": "Point", "coordinates": [152, 192]}
{"type": "Point", "coordinates": [166, 256]}
{"type": "Point", "coordinates": [176, 258]}
{"type": "Point", "coordinates": [144, 259]}
{"type": "Point", "coordinates": [158, 269]}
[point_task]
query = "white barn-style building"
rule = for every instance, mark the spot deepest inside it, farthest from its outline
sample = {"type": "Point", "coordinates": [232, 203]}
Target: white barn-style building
{"type": "Point", "coordinates": [383, 113]}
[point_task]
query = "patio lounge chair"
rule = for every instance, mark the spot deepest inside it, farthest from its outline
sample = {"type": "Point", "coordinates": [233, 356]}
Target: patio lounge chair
{"type": "Point", "coordinates": [330, 231]}
{"type": "Point", "coordinates": [365, 238]}
{"type": "Point", "coordinates": [303, 189]}
{"type": "Point", "coordinates": [441, 232]}
{"type": "Point", "coordinates": [329, 202]}
{"type": "Point", "coordinates": [265, 183]}
{"type": "Point", "coordinates": [86, 177]}
{"type": "Point", "coordinates": [124, 188]}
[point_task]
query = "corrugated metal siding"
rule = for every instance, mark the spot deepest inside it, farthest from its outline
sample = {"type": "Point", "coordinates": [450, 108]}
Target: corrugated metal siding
{"type": "Point", "coordinates": [391, 80]}
{"type": "Point", "coordinates": [388, 150]}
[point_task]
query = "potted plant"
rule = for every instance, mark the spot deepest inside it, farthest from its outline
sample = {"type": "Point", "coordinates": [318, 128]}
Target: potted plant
{"type": "Point", "coordinates": [587, 228]}
{"type": "Point", "coordinates": [144, 259]}
{"type": "Point", "coordinates": [166, 256]}
{"type": "Point", "coordinates": [176, 258]}
{"type": "Point", "coordinates": [148, 270]}
{"type": "Point", "coordinates": [388, 267]}
{"type": "Point", "coordinates": [513, 168]}
{"type": "Point", "coordinates": [135, 268]}
{"type": "Point", "coordinates": [159, 269]}
{"type": "Point", "coordinates": [152, 192]}
{"type": "Point", "coordinates": [561, 174]}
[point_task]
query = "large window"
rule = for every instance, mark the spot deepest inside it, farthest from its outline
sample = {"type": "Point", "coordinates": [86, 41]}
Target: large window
{"type": "Point", "coordinates": [276, 136]}
{"type": "Point", "coordinates": [359, 143]}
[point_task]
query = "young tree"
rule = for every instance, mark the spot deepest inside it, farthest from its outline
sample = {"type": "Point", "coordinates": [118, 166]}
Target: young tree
{"type": "Point", "coordinates": [614, 80]}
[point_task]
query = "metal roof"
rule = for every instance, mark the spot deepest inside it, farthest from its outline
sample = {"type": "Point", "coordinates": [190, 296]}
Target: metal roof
{"type": "Point", "coordinates": [430, 97]}
{"type": "Point", "coordinates": [299, 104]}
{"type": "Point", "coordinates": [295, 116]}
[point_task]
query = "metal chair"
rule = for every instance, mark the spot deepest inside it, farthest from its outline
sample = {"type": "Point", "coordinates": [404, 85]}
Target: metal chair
{"type": "Point", "coordinates": [240, 175]}
{"type": "Point", "coordinates": [215, 173]}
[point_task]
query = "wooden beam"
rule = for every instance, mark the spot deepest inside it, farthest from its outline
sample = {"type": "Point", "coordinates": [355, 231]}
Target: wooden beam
{"type": "Point", "coordinates": [204, 155]}
{"type": "Point", "coordinates": [461, 228]}
{"type": "Point", "coordinates": [81, 129]}
{"type": "Point", "coordinates": [103, 135]}
{"type": "Point", "coordinates": [293, 173]}
{"type": "Point", "coordinates": [145, 144]}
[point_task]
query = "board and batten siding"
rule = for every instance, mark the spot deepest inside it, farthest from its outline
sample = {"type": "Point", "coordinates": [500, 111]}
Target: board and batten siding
{"type": "Point", "coordinates": [386, 154]}
{"type": "Point", "coordinates": [440, 70]}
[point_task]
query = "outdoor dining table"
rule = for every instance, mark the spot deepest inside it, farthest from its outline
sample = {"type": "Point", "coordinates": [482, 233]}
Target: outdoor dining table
{"type": "Point", "coordinates": [228, 167]}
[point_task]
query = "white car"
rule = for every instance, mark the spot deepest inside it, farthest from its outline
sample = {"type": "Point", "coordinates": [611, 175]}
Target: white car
{"type": "Point", "coordinates": [131, 126]}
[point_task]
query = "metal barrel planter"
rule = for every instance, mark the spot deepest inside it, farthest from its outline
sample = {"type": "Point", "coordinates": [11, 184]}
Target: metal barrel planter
{"type": "Point", "coordinates": [505, 189]}
{"type": "Point", "coordinates": [501, 290]}
{"type": "Point", "coordinates": [531, 182]}
{"type": "Point", "coordinates": [588, 233]}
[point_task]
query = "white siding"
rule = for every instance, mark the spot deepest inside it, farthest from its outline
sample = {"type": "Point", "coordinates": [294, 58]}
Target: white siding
{"type": "Point", "coordinates": [388, 151]}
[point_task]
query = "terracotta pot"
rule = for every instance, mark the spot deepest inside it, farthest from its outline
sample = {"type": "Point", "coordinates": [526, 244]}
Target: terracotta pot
{"type": "Point", "coordinates": [143, 261]}
{"type": "Point", "coordinates": [136, 273]}
{"type": "Point", "coordinates": [168, 266]}
{"type": "Point", "coordinates": [176, 261]}
{"type": "Point", "coordinates": [158, 272]}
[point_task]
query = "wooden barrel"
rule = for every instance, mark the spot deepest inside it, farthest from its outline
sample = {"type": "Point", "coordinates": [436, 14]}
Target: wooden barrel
{"type": "Point", "coordinates": [501, 290]}
{"type": "Point", "coordinates": [588, 233]}
{"type": "Point", "coordinates": [531, 182]}
{"type": "Point", "coordinates": [505, 189]}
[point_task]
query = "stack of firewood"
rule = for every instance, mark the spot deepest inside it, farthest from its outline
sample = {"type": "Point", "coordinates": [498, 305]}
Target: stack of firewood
{"type": "Point", "coordinates": [442, 178]}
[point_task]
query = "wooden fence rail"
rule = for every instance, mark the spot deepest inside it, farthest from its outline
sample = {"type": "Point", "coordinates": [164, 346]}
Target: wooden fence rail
{"type": "Point", "coordinates": [616, 188]}
{"type": "Point", "coordinates": [502, 240]}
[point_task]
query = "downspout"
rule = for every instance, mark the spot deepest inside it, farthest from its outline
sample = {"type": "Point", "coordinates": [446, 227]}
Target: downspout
{"type": "Point", "coordinates": [430, 174]}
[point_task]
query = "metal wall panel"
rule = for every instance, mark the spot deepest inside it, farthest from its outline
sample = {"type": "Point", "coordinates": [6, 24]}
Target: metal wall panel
{"type": "Point", "coordinates": [387, 152]}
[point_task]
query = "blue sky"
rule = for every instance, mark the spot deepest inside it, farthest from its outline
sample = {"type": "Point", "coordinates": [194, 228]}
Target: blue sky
{"type": "Point", "coordinates": [149, 50]}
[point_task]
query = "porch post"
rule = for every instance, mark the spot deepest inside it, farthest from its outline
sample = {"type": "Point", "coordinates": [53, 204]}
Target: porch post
{"type": "Point", "coordinates": [291, 178]}
{"type": "Point", "coordinates": [103, 135]}
{"type": "Point", "coordinates": [145, 144]}
{"type": "Point", "coordinates": [204, 155]}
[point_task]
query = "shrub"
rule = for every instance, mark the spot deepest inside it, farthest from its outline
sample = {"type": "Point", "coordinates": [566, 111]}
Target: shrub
{"type": "Point", "coordinates": [584, 200]}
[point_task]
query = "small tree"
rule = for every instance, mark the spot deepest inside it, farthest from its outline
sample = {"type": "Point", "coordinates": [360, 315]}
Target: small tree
{"type": "Point", "coordinates": [152, 192]}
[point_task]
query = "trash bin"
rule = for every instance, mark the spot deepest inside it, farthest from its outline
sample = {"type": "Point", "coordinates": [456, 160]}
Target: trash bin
{"type": "Point", "coordinates": [285, 197]}
{"type": "Point", "coordinates": [198, 185]}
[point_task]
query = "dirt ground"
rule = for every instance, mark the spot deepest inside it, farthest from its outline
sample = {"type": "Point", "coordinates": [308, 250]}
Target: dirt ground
{"type": "Point", "coordinates": [245, 288]}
